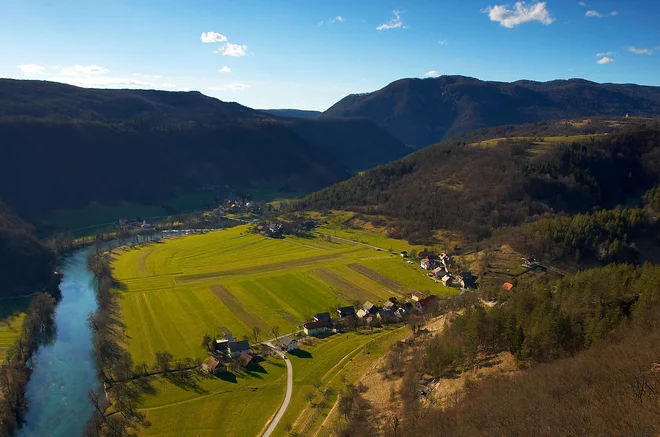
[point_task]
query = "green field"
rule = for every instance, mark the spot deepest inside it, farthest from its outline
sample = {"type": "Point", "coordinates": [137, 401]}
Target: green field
{"type": "Point", "coordinates": [172, 293]}
{"type": "Point", "coordinates": [12, 312]}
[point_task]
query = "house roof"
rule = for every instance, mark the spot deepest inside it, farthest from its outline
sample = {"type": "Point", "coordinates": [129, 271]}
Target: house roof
{"type": "Point", "coordinates": [388, 305]}
{"type": "Point", "coordinates": [438, 270]}
{"type": "Point", "coordinates": [361, 313]}
{"type": "Point", "coordinates": [286, 340]}
{"type": "Point", "coordinates": [314, 325]}
{"type": "Point", "coordinates": [367, 306]}
{"type": "Point", "coordinates": [322, 317]}
{"type": "Point", "coordinates": [212, 363]}
{"type": "Point", "coordinates": [245, 359]}
{"type": "Point", "coordinates": [446, 278]}
{"type": "Point", "coordinates": [507, 286]}
{"type": "Point", "coordinates": [466, 275]}
{"type": "Point", "coordinates": [346, 310]}
{"type": "Point", "coordinates": [242, 345]}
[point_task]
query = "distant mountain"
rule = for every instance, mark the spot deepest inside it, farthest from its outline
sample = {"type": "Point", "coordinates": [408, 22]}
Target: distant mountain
{"type": "Point", "coordinates": [293, 113]}
{"type": "Point", "coordinates": [421, 112]}
{"type": "Point", "coordinates": [64, 147]}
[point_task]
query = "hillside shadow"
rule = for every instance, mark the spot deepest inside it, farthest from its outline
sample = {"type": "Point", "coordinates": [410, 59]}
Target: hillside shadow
{"type": "Point", "coordinates": [301, 353]}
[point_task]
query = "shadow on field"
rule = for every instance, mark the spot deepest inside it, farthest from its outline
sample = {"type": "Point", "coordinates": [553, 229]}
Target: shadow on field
{"type": "Point", "coordinates": [301, 353]}
{"type": "Point", "coordinates": [188, 381]}
{"type": "Point", "coordinates": [228, 377]}
{"type": "Point", "coordinates": [119, 285]}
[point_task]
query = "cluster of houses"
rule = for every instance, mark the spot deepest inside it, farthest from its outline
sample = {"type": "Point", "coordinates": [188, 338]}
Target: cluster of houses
{"type": "Point", "coordinates": [278, 229]}
{"type": "Point", "coordinates": [439, 270]}
{"type": "Point", "coordinates": [227, 349]}
{"type": "Point", "coordinates": [136, 226]}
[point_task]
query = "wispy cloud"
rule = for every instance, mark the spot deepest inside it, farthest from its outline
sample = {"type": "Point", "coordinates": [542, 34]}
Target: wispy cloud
{"type": "Point", "coordinates": [520, 13]}
{"type": "Point", "coordinates": [210, 37]}
{"type": "Point", "coordinates": [230, 49]}
{"type": "Point", "coordinates": [433, 73]}
{"type": "Point", "coordinates": [395, 22]}
{"type": "Point", "coordinates": [443, 42]}
{"type": "Point", "coordinates": [229, 87]}
{"type": "Point", "coordinates": [605, 60]}
{"type": "Point", "coordinates": [337, 19]}
{"type": "Point", "coordinates": [639, 51]}
{"type": "Point", "coordinates": [225, 69]}
{"type": "Point", "coordinates": [583, 4]}
{"type": "Point", "coordinates": [31, 69]}
{"type": "Point", "coordinates": [82, 70]}
{"type": "Point", "coordinates": [596, 14]}
{"type": "Point", "coordinates": [604, 54]}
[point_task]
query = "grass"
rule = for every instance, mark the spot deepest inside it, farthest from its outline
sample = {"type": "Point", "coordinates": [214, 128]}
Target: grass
{"type": "Point", "coordinates": [12, 312]}
{"type": "Point", "coordinates": [173, 293]}
{"type": "Point", "coordinates": [211, 406]}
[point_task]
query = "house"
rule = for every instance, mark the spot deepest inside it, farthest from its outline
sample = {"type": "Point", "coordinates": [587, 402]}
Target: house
{"type": "Point", "coordinates": [246, 360]}
{"type": "Point", "coordinates": [385, 316]}
{"type": "Point", "coordinates": [447, 280]}
{"type": "Point", "coordinates": [466, 279]}
{"type": "Point", "coordinates": [425, 263]}
{"type": "Point", "coordinates": [213, 366]}
{"type": "Point", "coordinates": [404, 254]}
{"type": "Point", "coordinates": [507, 286]}
{"type": "Point", "coordinates": [362, 313]}
{"type": "Point", "coordinates": [236, 348]}
{"type": "Point", "coordinates": [370, 308]}
{"type": "Point", "coordinates": [401, 313]}
{"type": "Point", "coordinates": [288, 344]}
{"type": "Point", "coordinates": [390, 306]}
{"type": "Point", "coordinates": [322, 317]}
{"type": "Point", "coordinates": [428, 304]}
{"type": "Point", "coordinates": [415, 296]}
{"type": "Point", "coordinates": [346, 312]}
{"type": "Point", "coordinates": [314, 329]}
{"type": "Point", "coordinates": [438, 272]}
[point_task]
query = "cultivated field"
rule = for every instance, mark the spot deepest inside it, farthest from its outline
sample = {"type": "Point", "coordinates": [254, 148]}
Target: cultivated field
{"type": "Point", "coordinates": [172, 293]}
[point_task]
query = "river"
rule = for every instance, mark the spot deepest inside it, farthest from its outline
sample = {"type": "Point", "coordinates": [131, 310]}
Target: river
{"type": "Point", "coordinates": [64, 370]}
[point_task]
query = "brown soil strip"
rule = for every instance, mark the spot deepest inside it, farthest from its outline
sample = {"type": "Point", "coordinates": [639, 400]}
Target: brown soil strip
{"type": "Point", "coordinates": [288, 317]}
{"type": "Point", "coordinates": [353, 291]}
{"type": "Point", "coordinates": [250, 319]}
{"type": "Point", "coordinates": [382, 280]}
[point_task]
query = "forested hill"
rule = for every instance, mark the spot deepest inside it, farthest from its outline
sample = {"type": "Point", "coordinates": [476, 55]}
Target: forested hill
{"type": "Point", "coordinates": [475, 189]}
{"type": "Point", "coordinates": [294, 113]}
{"type": "Point", "coordinates": [420, 112]}
{"type": "Point", "coordinates": [64, 147]}
{"type": "Point", "coordinates": [26, 265]}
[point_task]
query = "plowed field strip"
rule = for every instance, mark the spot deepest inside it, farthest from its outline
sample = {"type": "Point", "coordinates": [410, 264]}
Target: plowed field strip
{"type": "Point", "coordinates": [250, 319]}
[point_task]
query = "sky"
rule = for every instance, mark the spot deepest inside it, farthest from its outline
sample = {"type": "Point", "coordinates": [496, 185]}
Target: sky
{"type": "Point", "coordinates": [308, 54]}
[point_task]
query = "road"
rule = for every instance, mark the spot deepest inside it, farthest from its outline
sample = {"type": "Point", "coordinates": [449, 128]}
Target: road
{"type": "Point", "coordinates": [287, 396]}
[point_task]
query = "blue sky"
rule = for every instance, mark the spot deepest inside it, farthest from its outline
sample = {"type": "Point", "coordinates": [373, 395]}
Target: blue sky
{"type": "Point", "coordinates": [308, 54]}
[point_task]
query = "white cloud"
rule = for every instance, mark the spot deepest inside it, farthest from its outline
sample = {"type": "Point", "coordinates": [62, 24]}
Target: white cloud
{"type": "Point", "coordinates": [230, 49]}
{"type": "Point", "coordinates": [638, 51]}
{"type": "Point", "coordinates": [183, 89]}
{"type": "Point", "coordinates": [31, 68]}
{"type": "Point", "coordinates": [443, 42]}
{"type": "Point", "coordinates": [605, 60]}
{"type": "Point", "coordinates": [229, 87]}
{"type": "Point", "coordinates": [433, 73]}
{"type": "Point", "coordinates": [78, 70]}
{"type": "Point", "coordinates": [394, 23]}
{"type": "Point", "coordinates": [337, 18]}
{"type": "Point", "coordinates": [209, 37]}
{"type": "Point", "coordinates": [596, 14]}
{"type": "Point", "coordinates": [583, 4]}
{"type": "Point", "coordinates": [225, 69]}
{"type": "Point", "coordinates": [519, 14]}
{"type": "Point", "coordinates": [604, 54]}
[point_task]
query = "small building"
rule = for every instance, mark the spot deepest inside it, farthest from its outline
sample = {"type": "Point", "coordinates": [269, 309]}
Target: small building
{"type": "Point", "coordinates": [438, 272]}
{"type": "Point", "coordinates": [466, 279]}
{"type": "Point", "coordinates": [507, 286]}
{"type": "Point", "coordinates": [222, 346]}
{"type": "Point", "coordinates": [415, 296]}
{"type": "Point", "coordinates": [425, 264]}
{"type": "Point", "coordinates": [401, 313]}
{"type": "Point", "coordinates": [370, 308]}
{"type": "Point", "coordinates": [314, 329]}
{"type": "Point", "coordinates": [390, 306]}
{"type": "Point", "coordinates": [404, 254]}
{"type": "Point", "coordinates": [288, 344]}
{"type": "Point", "coordinates": [385, 316]}
{"type": "Point", "coordinates": [236, 348]}
{"type": "Point", "coordinates": [246, 360]}
{"type": "Point", "coordinates": [213, 366]}
{"type": "Point", "coordinates": [362, 313]}
{"type": "Point", "coordinates": [346, 312]}
{"type": "Point", "coordinates": [322, 317]}
{"type": "Point", "coordinates": [447, 280]}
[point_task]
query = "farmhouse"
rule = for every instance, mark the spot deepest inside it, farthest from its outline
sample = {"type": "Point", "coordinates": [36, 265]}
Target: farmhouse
{"type": "Point", "coordinates": [415, 296]}
{"type": "Point", "coordinates": [425, 264]}
{"type": "Point", "coordinates": [391, 305]}
{"type": "Point", "coordinates": [346, 312]}
{"type": "Point", "coordinates": [288, 344]}
{"type": "Point", "coordinates": [236, 348]}
{"type": "Point", "coordinates": [246, 360]}
{"type": "Point", "coordinates": [213, 366]}
{"type": "Point", "coordinates": [370, 308]}
{"type": "Point", "coordinates": [314, 329]}
{"type": "Point", "coordinates": [447, 280]}
{"type": "Point", "coordinates": [404, 254]}
{"type": "Point", "coordinates": [322, 317]}
{"type": "Point", "coordinates": [362, 313]}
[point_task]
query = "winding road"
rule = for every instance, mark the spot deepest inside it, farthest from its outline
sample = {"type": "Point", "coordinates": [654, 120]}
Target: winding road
{"type": "Point", "coordinates": [287, 396]}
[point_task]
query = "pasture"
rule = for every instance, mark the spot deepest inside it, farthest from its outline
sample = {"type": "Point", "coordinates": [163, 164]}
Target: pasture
{"type": "Point", "coordinates": [174, 292]}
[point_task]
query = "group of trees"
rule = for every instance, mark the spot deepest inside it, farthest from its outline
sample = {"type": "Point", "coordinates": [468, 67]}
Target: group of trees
{"type": "Point", "coordinates": [474, 190]}
{"type": "Point", "coordinates": [37, 328]}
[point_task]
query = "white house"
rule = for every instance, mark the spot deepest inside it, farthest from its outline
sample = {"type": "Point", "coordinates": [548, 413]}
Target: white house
{"type": "Point", "coordinates": [289, 344]}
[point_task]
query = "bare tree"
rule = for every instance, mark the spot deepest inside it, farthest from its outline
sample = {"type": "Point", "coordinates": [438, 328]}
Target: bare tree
{"type": "Point", "coordinates": [276, 331]}
{"type": "Point", "coordinates": [256, 331]}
